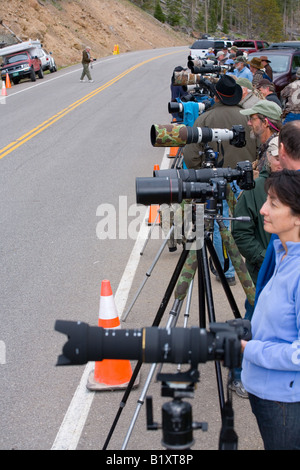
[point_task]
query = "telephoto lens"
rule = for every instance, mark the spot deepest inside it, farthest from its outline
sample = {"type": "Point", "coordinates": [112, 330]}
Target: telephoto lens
{"type": "Point", "coordinates": [169, 191]}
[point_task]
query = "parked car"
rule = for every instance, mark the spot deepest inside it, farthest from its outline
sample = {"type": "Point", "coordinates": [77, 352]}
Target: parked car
{"type": "Point", "coordinates": [200, 47]}
{"type": "Point", "coordinates": [250, 45]}
{"type": "Point", "coordinates": [21, 65]}
{"type": "Point", "coordinates": [288, 44]}
{"type": "Point", "coordinates": [46, 58]}
{"type": "Point", "coordinates": [284, 63]}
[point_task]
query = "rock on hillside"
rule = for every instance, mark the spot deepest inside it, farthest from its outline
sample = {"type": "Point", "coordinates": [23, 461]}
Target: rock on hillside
{"type": "Point", "coordinates": [65, 27]}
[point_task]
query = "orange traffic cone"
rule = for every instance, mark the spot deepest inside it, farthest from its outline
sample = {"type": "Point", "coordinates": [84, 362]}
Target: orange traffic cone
{"type": "Point", "coordinates": [173, 152]}
{"type": "Point", "coordinates": [116, 49]}
{"type": "Point", "coordinates": [3, 91]}
{"type": "Point", "coordinates": [8, 84]}
{"type": "Point", "coordinates": [109, 374]}
{"type": "Point", "coordinates": [154, 209]}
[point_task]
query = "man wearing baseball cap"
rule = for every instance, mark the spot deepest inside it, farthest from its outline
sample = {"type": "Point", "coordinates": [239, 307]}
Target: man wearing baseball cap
{"type": "Point", "coordinates": [241, 70]}
{"type": "Point", "coordinates": [264, 120]}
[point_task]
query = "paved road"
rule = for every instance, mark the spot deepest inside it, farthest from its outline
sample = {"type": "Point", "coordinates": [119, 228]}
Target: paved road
{"type": "Point", "coordinates": [70, 151]}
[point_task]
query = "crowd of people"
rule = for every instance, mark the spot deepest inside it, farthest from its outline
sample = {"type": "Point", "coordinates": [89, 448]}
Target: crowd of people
{"type": "Point", "coordinates": [270, 243]}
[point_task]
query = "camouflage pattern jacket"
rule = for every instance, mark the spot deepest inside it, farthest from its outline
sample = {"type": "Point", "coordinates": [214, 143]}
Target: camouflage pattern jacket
{"type": "Point", "coordinates": [291, 95]}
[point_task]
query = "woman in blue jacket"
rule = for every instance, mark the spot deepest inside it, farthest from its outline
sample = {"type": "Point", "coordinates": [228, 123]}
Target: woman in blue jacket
{"type": "Point", "coordinates": [271, 361]}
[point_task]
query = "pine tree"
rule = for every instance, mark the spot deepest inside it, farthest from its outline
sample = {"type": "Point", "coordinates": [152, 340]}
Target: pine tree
{"type": "Point", "coordinates": [158, 13]}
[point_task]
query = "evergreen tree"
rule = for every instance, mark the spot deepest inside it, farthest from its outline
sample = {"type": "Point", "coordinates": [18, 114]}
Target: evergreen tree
{"type": "Point", "coordinates": [158, 13]}
{"type": "Point", "coordinates": [174, 12]}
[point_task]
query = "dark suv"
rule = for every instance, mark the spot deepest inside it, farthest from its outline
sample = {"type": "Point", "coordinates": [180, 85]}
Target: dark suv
{"type": "Point", "coordinates": [250, 45]}
{"type": "Point", "coordinates": [284, 63]}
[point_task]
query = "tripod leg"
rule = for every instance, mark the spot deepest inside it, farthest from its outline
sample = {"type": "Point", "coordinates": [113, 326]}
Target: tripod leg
{"type": "Point", "coordinates": [211, 317]}
{"type": "Point", "coordinates": [171, 323]}
{"type": "Point", "coordinates": [148, 273]}
{"type": "Point", "coordinates": [156, 322]}
{"type": "Point", "coordinates": [224, 282]}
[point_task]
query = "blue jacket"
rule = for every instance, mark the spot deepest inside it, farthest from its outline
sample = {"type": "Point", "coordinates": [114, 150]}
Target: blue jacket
{"type": "Point", "coordinates": [271, 362]}
{"type": "Point", "coordinates": [245, 73]}
{"type": "Point", "coordinates": [267, 268]}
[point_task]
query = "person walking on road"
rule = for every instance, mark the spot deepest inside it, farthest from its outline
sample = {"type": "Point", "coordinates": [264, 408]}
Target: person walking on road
{"type": "Point", "coordinates": [86, 60]}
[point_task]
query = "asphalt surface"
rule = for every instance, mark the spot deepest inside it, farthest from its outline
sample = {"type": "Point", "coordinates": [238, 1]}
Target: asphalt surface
{"type": "Point", "coordinates": [69, 156]}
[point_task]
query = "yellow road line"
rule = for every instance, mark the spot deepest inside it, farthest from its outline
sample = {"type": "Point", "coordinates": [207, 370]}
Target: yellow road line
{"type": "Point", "coordinates": [44, 125]}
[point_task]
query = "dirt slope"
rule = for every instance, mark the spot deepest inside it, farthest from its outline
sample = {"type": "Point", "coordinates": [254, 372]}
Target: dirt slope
{"type": "Point", "coordinates": [65, 27]}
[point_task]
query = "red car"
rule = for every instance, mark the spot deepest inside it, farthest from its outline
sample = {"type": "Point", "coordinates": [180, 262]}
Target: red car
{"type": "Point", "coordinates": [21, 65]}
{"type": "Point", "coordinates": [250, 45]}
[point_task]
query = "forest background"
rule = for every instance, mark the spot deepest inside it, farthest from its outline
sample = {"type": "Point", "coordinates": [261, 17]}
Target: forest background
{"type": "Point", "coordinates": [271, 20]}
{"type": "Point", "coordinates": [65, 27]}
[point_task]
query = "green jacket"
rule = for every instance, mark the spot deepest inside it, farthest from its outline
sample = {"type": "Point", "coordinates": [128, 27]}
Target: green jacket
{"type": "Point", "coordinates": [86, 59]}
{"type": "Point", "coordinates": [220, 116]}
{"type": "Point", "coordinates": [250, 237]}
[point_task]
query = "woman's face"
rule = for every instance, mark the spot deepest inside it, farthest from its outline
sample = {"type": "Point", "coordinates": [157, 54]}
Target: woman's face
{"type": "Point", "coordinates": [274, 162]}
{"type": "Point", "coordinates": [279, 219]}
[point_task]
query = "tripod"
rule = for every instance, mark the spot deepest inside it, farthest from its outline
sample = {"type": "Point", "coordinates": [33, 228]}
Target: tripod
{"type": "Point", "coordinates": [189, 262]}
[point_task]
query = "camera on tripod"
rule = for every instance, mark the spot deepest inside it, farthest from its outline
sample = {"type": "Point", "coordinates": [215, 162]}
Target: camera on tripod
{"type": "Point", "coordinates": [178, 135]}
{"type": "Point", "coordinates": [151, 345]}
{"type": "Point", "coordinates": [171, 186]}
{"type": "Point", "coordinates": [156, 345]}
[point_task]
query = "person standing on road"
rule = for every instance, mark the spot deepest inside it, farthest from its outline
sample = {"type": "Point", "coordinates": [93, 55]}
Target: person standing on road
{"type": "Point", "coordinates": [265, 122]}
{"type": "Point", "coordinates": [289, 157]}
{"type": "Point", "coordinates": [241, 70]}
{"type": "Point", "coordinates": [271, 359]}
{"type": "Point", "coordinates": [267, 89]}
{"type": "Point", "coordinates": [225, 113]}
{"type": "Point", "coordinates": [86, 60]}
{"type": "Point", "coordinates": [266, 65]}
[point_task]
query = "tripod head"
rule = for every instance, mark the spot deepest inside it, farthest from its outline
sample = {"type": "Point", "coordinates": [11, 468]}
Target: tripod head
{"type": "Point", "coordinates": [177, 422]}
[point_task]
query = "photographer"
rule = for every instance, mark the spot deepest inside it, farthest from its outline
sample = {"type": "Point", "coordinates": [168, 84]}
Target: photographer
{"type": "Point", "coordinates": [251, 238]}
{"type": "Point", "coordinates": [86, 60]}
{"type": "Point", "coordinates": [265, 123]}
{"type": "Point", "coordinates": [289, 157]}
{"type": "Point", "coordinates": [271, 363]}
{"type": "Point", "coordinates": [223, 114]}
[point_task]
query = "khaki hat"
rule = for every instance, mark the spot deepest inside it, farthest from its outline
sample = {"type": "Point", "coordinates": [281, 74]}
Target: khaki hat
{"type": "Point", "coordinates": [255, 62]}
{"type": "Point", "coordinates": [266, 108]}
{"type": "Point", "coordinates": [245, 83]}
{"type": "Point", "coordinates": [265, 58]}
{"type": "Point", "coordinates": [273, 146]}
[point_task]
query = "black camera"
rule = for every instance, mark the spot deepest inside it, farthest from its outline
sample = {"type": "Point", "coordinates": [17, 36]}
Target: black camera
{"type": "Point", "coordinates": [173, 186]}
{"type": "Point", "coordinates": [154, 345]}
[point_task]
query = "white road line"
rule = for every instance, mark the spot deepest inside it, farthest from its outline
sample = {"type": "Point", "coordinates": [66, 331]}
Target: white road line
{"type": "Point", "coordinates": [73, 423]}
